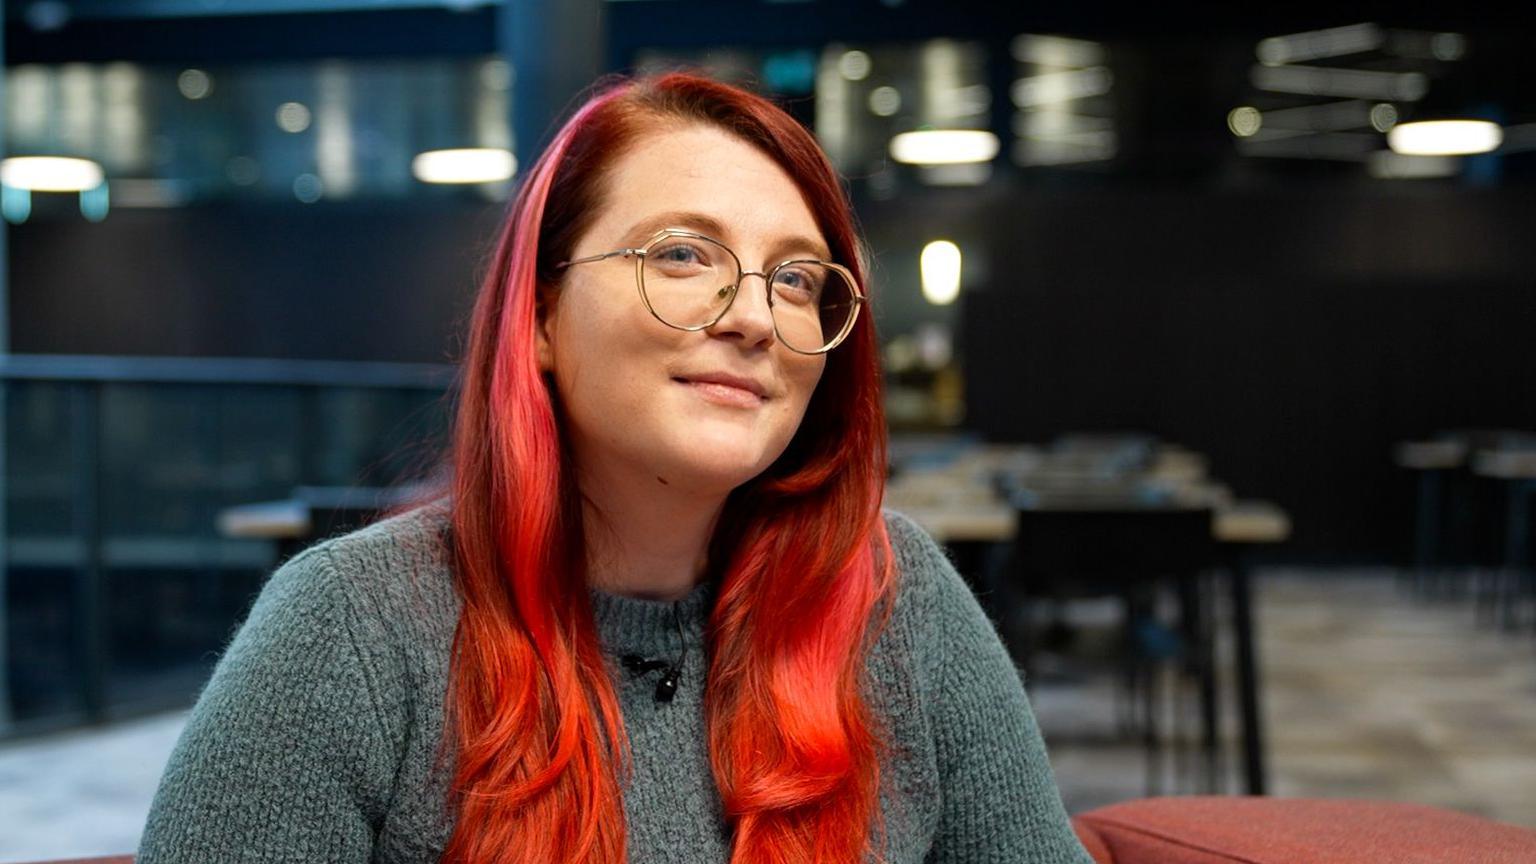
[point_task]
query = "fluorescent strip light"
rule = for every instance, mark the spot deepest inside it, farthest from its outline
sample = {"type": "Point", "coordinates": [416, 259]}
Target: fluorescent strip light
{"type": "Point", "coordinates": [1056, 51]}
{"type": "Point", "coordinates": [1045, 124]}
{"type": "Point", "coordinates": [1044, 152]}
{"type": "Point", "coordinates": [944, 146]}
{"type": "Point", "coordinates": [1317, 44]}
{"type": "Point", "coordinates": [1348, 83]}
{"type": "Point", "coordinates": [50, 173]}
{"type": "Point", "coordinates": [466, 165]}
{"type": "Point", "coordinates": [1423, 45]}
{"type": "Point", "coordinates": [1102, 140]}
{"type": "Point", "coordinates": [1050, 88]}
{"type": "Point", "coordinates": [1330, 117]}
{"type": "Point", "coordinates": [1445, 137]}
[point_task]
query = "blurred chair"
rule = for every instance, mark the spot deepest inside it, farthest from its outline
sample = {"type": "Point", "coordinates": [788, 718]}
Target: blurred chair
{"type": "Point", "coordinates": [1075, 548]}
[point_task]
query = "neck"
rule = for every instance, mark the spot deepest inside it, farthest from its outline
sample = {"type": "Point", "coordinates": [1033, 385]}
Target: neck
{"type": "Point", "coordinates": [645, 539]}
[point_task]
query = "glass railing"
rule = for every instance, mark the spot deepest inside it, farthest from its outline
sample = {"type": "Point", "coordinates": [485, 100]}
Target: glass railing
{"type": "Point", "coordinates": [119, 590]}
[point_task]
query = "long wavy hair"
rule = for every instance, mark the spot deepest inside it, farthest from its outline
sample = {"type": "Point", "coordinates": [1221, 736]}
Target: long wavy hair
{"type": "Point", "coordinates": [540, 753]}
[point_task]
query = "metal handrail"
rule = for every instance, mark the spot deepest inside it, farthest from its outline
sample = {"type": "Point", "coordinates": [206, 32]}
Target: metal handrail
{"type": "Point", "coordinates": [225, 370]}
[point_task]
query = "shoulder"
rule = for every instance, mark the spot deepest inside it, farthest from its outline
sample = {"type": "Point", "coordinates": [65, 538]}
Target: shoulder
{"type": "Point", "coordinates": [394, 576]}
{"type": "Point", "coordinates": [416, 540]}
{"type": "Point", "coordinates": [910, 543]}
{"type": "Point", "coordinates": [924, 574]}
{"type": "Point", "coordinates": [934, 605]}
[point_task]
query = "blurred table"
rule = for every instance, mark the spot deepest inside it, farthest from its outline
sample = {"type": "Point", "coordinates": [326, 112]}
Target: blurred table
{"type": "Point", "coordinates": [960, 500]}
{"type": "Point", "coordinates": [312, 513]}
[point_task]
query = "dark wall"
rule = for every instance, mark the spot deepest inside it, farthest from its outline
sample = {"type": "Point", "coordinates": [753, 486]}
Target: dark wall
{"type": "Point", "coordinates": [1291, 336]}
{"type": "Point", "coordinates": [390, 281]}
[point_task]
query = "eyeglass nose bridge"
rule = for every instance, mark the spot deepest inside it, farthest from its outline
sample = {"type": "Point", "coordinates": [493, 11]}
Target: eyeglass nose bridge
{"type": "Point", "coordinates": [735, 289]}
{"type": "Point", "coordinates": [767, 284]}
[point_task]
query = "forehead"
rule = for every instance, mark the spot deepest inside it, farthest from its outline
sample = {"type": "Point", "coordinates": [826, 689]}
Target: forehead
{"type": "Point", "coordinates": [707, 171]}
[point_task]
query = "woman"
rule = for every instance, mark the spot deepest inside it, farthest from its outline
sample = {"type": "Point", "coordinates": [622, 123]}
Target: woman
{"type": "Point", "coordinates": [658, 614]}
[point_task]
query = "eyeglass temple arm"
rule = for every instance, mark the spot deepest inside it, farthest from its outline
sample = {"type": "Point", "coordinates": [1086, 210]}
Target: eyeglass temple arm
{"type": "Point", "coordinates": [603, 257]}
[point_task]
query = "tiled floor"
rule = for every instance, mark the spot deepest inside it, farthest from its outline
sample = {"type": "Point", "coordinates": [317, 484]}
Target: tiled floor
{"type": "Point", "coordinates": [1372, 696]}
{"type": "Point", "coordinates": [83, 793]}
{"type": "Point", "coordinates": [1369, 693]}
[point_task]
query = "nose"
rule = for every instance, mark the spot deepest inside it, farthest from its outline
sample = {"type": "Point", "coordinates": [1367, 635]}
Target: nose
{"type": "Point", "coordinates": [749, 316]}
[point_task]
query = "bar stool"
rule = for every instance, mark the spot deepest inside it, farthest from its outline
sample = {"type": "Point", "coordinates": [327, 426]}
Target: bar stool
{"type": "Point", "coordinates": [1515, 583]}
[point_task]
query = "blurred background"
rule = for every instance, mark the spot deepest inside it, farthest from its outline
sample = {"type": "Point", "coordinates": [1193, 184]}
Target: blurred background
{"type": "Point", "coordinates": [1207, 338]}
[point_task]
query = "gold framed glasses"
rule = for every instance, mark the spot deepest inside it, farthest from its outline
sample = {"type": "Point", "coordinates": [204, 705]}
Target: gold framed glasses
{"type": "Point", "coordinates": [688, 280]}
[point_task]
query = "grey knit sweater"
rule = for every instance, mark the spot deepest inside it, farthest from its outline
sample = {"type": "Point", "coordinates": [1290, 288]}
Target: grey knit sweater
{"type": "Point", "coordinates": [315, 738]}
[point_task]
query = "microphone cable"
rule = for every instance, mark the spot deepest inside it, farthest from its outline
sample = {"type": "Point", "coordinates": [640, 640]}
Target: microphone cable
{"type": "Point", "coordinates": [666, 688]}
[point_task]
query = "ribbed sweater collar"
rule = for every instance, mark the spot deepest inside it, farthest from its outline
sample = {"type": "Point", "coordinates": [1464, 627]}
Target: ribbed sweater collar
{"type": "Point", "coordinates": [630, 625]}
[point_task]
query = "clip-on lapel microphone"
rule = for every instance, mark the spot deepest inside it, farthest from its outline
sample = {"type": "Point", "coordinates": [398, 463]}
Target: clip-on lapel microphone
{"type": "Point", "coordinates": [666, 688]}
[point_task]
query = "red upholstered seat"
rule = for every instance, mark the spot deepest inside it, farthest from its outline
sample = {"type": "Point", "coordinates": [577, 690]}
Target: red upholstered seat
{"type": "Point", "coordinates": [1220, 830]}
{"type": "Point", "coordinates": [1224, 830]}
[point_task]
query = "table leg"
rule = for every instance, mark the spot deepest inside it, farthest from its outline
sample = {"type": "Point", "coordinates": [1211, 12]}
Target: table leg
{"type": "Point", "coordinates": [1210, 701]}
{"type": "Point", "coordinates": [1516, 549]}
{"type": "Point", "coordinates": [1193, 614]}
{"type": "Point", "coordinates": [1247, 678]}
{"type": "Point", "coordinates": [1426, 535]}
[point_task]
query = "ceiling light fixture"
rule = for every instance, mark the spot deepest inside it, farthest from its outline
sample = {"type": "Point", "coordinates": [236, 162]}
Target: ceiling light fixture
{"type": "Point", "coordinates": [50, 173]}
{"type": "Point", "coordinates": [465, 165]}
{"type": "Point", "coordinates": [944, 146]}
{"type": "Point", "coordinates": [1445, 137]}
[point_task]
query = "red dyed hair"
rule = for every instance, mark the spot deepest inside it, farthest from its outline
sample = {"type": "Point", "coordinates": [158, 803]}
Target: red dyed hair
{"type": "Point", "coordinates": [541, 750]}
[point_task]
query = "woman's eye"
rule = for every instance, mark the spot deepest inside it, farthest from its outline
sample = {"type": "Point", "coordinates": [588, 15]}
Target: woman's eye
{"type": "Point", "coordinates": [796, 284]}
{"type": "Point", "coordinates": [680, 254]}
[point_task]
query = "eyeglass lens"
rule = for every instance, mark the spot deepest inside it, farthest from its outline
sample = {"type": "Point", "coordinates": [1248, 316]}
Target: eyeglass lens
{"type": "Point", "coordinates": [688, 282]}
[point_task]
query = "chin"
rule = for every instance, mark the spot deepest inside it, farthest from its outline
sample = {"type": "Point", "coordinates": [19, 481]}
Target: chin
{"type": "Point", "coordinates": [717, 475]}
{"type": "Point", "coordinates": [721, 468]}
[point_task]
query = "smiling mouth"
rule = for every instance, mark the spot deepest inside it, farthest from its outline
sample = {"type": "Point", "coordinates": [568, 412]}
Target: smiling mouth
{"type": "Point", "coordinates": [721, 393]}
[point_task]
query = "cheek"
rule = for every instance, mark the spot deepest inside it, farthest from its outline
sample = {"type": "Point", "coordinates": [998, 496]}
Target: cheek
{"type": "Point", "coordinates": [806, 373]}
{"type": "Point", "coordinates": [602, 352]}
{"type": "Point", "coordinates": [802, 378]}
{"type": "Point", "coordinates": [575, 335]}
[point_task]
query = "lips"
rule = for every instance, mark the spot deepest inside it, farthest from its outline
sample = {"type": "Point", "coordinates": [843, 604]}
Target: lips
{"type": "Point", "coordinates": [727, 380]}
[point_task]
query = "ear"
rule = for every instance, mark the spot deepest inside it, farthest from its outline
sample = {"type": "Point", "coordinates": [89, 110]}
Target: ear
{"type": "Point", "coordinates": [544, 322]}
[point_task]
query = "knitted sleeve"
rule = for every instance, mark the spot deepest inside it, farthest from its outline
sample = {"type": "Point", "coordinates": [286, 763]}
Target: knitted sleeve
{"type": "Point", "coordinates": [287, 756]}
{"type": "Point", "coordinates": [998, 798]}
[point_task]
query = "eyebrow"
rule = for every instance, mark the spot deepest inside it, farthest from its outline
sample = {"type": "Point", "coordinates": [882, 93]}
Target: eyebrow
{"type": "Point", "coordinates": [706, 224]}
